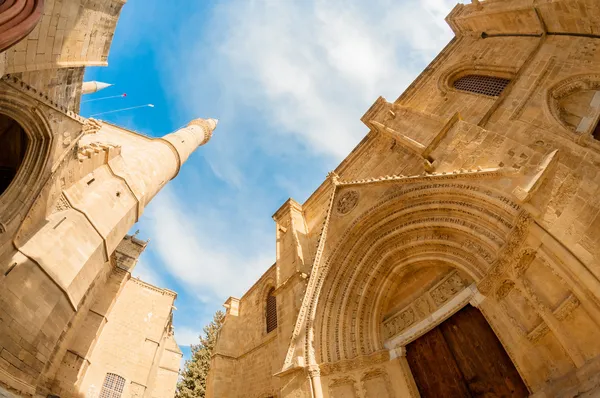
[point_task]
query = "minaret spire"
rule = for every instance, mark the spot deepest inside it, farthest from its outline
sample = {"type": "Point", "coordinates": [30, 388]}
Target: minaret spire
{"type": "Point", "coordinates": [197, 133]}
{"type": "Point", "coordinates": [93, 86]}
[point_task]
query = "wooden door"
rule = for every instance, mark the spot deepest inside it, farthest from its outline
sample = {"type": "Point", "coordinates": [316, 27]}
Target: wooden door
{"type": "Point", "coordinates": [462, 357]}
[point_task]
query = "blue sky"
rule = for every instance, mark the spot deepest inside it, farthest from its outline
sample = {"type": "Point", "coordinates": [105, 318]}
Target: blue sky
{"type": "Point", "coordinates": [288, 81]}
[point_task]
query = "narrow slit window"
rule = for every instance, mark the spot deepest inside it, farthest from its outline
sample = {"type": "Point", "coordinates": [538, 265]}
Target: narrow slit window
{"type": "Point", "coordinates": [480, 84]}
{"type": "Point", "coordinates": [113, 386]}
{"type": "Point", "coordinates": [271, 311]}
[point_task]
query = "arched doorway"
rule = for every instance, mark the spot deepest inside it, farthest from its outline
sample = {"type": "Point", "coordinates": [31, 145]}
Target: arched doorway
{"type": "Point", "coordinates": [13, 146]}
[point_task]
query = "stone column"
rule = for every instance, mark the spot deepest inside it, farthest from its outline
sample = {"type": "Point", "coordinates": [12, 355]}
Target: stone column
{"type": "Point", "coordinates": [314, 374]}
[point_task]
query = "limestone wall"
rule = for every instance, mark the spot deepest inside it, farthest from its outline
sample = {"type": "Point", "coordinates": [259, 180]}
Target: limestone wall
{"type": "Point", "coordinates": [63, 86]}
{"type": "Point", "coordinates": [71, 33]}
{"type": "Point", "coordinates": [136, 328]}
{"type": "Point", "coordinates": [245, 344]}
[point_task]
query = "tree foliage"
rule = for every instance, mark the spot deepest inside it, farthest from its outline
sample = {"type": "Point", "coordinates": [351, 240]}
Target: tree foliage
{"type": "Point", "coordinates": [192, 383]}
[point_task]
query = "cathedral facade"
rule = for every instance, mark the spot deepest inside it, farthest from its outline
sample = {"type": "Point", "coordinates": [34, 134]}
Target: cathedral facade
{"type": "Point", "coordinates": [456, 250]}
{"type": "Point", "coordinates": [73, 322]}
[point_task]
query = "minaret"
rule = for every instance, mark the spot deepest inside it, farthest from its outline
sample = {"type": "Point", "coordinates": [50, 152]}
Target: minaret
{"type": "Point", "coordinates": [195, 134]}
{"type": "Point", "coordinates": [93, 86]}
{"type": "Point", "coordinates": [149, 163]}
{"type": "Point", "coordinates": [110, 182]}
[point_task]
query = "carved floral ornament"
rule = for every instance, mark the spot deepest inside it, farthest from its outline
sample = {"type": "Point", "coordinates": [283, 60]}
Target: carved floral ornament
{"type": "Point", "coordinates": [347, 202]}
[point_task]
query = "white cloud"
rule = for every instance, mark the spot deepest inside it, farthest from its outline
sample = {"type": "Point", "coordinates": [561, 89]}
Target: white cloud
{"type": "Point", "coordinates": [193, 249]}
{"type": "Point", "coordinates": [313, 68]}
{"type": "Point", "coordinates": [186, 336]}
{"type": "Point", "coordinates": [144, 271]}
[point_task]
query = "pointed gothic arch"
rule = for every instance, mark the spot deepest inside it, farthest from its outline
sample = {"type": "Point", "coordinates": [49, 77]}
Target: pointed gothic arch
{"type": "Point", "coordinates": [454, 226]}
{"type": "Point", "coordinates": [38, 134]}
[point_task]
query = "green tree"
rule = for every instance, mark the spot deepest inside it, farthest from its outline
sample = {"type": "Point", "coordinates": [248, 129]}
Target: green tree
{"type": "Point", "coordinates": [192, 383]}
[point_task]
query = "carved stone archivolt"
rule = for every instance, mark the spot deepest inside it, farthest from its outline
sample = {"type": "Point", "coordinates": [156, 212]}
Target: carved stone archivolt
{"type": "Point", "coordinates": [459, 223]}
{"type": "Point", "coordinates": [29, 179]}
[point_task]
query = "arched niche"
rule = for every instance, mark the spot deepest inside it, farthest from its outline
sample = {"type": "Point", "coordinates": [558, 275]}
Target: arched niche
{"type": "Point", "coordinates": [575, 104]}
{"type": "Point", "coordinates": [13, 146]}
{"type": "Point", "coordinates": [29, 130]}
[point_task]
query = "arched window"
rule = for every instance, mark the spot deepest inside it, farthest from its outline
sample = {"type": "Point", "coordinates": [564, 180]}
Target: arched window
{"type": "Point", "coordinates": [113, 386]}
{"type": "Point", "coordinates": [575, 103]}
{"type": "Point", "coordinates": [482, 84]}
{"type": "Point", "coordinates": [271, 313]}
{"type": "Point", "coordinates": [13, 145]}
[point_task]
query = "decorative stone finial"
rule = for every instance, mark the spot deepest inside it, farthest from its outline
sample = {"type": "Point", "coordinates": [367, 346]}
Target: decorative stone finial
{"type": "Point", "coordinates": [335, 179]}
{"type": "Point", "coordinates": [208, 125]}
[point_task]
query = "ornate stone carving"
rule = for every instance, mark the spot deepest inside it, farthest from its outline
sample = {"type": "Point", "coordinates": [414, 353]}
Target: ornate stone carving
{"type": "Point", "coordinates": [399, 322]}
{"type": "Point", "coordinates": [345, 386]}
{"type": "Point", "coordinates": [504, 289]}
{"type": "Point", "coordinates": [565, 310]}
{"type": "Point", "coordinates": [313, 371]}
{"type": "Point", "coordinates": [538, 332]}
{"type": "Point", "coordinates": [527, 256]}
{"type": "Point", "coordinates": [375, 382]}
{"type": "Point", "coordinates": [355, 339]}
{"type": "Point", "coordinates": [61, 205]}
{"type": "Point", "coordinates": [355, 363]}
{"type": "Point", "coordinates": [91, 126]}
{"type": "Point", "coordinates": [509, 254]}
{"type": "Point", "coordinates": [422, 307]}
{"type": "Point", "coordinates": [347, 202]}
{"type": "Point", "coordinates": [447, 289]}
{"type": "Point", "coordinates": [477, 248]}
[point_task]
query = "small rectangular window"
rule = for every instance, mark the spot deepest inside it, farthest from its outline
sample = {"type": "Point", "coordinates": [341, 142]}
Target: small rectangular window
{"type": "Point", "coordinates": [480, 84]}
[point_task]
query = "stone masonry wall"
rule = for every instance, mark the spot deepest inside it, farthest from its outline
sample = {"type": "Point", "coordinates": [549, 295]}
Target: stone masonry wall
{"type": "Point", "coordinates": [63, 86]}
{"type": "Point", "coordinates": [70, 33]}
{"type": "Point", "coordinates": [135, 329]}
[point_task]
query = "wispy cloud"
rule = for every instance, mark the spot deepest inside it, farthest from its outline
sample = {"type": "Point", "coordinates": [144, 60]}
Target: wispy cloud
{"type": "Point", "coordinates": [147, 273]}
{"type": "Point", "coordinates": [310, 69]}
{"type": "Point", "coordinates": [194, 249]}
{"type": "Point", "coordinates": [186, 336]}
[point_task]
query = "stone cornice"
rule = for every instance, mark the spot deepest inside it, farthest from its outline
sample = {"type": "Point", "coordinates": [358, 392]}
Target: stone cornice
{"type": "Point", "coordinates": [149, 286]}
{"type": "Point", "coordinates": [286, 208]}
